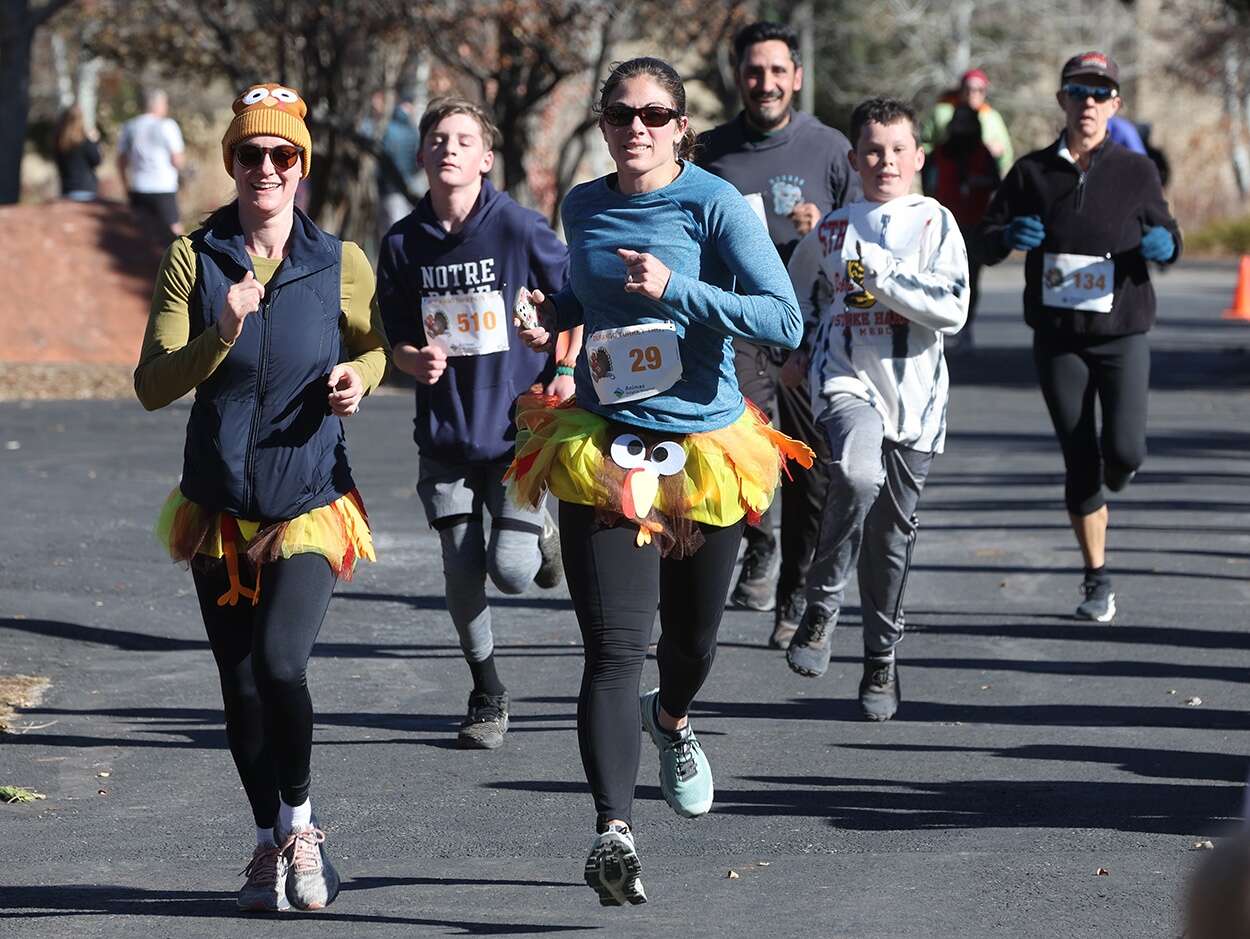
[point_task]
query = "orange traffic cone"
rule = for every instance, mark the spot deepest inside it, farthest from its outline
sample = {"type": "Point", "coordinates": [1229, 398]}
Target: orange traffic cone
{"type": "Point", "coordinates": [1240, 310]}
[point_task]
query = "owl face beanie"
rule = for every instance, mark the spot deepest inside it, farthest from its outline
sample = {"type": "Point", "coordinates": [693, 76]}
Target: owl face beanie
{"type": "Point", "coordinates": [268, 110]}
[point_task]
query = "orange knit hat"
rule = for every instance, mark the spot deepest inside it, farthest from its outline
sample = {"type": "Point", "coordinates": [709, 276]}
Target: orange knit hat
{"type": "Point", "coordinates": [268, 110]}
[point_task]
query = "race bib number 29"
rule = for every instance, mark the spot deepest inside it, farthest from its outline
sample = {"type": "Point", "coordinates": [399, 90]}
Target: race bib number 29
{"type": "Point", "coordinates": [633, 362]}
{"type": "Point", "coordinates": [466, 323]}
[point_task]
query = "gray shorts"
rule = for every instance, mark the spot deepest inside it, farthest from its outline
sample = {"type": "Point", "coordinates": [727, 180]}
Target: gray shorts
{"type": "Point", "coordinates": [450, 492]}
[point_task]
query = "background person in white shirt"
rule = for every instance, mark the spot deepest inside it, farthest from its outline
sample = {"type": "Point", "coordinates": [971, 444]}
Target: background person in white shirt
{"type": "Point", "coordinates": [150, 153]}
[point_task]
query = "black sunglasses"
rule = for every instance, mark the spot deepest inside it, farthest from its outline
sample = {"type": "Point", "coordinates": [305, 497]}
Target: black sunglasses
{"type": "Point", "coordinates": [283, 158]}
{"type": "Point", "coordinates": [653, 115]}
{"type": "Point", "coordinates": [1081, 92]}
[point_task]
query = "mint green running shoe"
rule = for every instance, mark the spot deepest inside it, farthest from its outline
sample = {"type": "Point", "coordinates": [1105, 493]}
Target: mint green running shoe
{"type": "Point", "coordinates": [685, 774]}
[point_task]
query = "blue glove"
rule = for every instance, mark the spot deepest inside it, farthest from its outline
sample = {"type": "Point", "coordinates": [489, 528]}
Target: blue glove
{"type": "Point", "coordinates": [1024, 233]}
{"type": "Point", "coordinates": [1158, 245]}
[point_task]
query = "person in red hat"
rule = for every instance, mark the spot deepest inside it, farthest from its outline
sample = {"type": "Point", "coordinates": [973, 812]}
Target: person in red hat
{"type": "Point", "coordinates": [973, 91]}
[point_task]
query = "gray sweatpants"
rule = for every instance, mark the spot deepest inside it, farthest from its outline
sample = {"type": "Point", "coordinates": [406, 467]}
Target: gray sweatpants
{"type": "Point", "coordinates": [874, 486]}
{"type": "Point", "coordinates": [453, 497]}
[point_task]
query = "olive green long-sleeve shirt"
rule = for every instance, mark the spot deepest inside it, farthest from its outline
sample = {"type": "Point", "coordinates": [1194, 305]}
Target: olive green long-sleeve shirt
{"type": "Point", "coordinates": [171, 364]}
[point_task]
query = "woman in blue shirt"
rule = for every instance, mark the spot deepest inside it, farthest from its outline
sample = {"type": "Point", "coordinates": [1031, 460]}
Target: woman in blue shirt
{"type": "Point", "coordinates": [658, 459]}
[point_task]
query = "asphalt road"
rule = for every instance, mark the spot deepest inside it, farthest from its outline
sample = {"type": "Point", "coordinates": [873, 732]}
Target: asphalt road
{"type": "Point", "coordinates": [1031, 751]}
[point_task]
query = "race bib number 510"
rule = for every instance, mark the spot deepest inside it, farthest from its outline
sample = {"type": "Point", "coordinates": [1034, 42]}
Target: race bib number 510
{"type": "Point", "coordinates": [633, 362]}
{"type": "Point", "coordinates": [466, 323]}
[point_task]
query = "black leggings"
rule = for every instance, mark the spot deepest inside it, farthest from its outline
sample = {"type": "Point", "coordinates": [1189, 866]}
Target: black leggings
{"type": "Point", "coordinates": [1072, 373]}
{"type": "Point", "coordinates": [262, 657]}
{"type": "Point", "coordinates": [616, 587]}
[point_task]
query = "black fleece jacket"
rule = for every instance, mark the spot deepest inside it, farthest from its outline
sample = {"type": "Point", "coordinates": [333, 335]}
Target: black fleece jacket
{"type": "Point", "coordinates": [1105, 211]}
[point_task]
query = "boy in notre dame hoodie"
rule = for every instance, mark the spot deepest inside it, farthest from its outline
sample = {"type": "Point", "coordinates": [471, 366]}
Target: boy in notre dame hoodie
{"type": "Point", "coordinates": [448, 277]}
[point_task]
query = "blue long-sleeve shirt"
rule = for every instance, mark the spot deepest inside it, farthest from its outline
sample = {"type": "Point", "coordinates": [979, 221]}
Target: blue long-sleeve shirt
{"type": "Point", "coordinates": [702, 229]}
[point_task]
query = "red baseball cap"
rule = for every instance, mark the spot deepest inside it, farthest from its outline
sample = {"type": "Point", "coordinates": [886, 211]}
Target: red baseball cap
{"type": "Point", "coordinates": [974, 73]}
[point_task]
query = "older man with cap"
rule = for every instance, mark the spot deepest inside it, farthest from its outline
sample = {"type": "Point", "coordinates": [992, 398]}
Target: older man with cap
{"type": "Point", "coordinates": [974, 86]}
{"type": "Point", "coordinates": [1091, 215]}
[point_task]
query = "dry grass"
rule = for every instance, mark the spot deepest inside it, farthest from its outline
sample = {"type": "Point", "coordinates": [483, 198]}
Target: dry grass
{"type": "Point", "coordinates": [19, 691]}
{"type": "Point", "coordinates": [27, 381]}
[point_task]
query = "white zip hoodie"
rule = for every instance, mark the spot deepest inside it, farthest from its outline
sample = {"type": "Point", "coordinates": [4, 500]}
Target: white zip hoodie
{"type": "Point", "coordinates": [880, 284]}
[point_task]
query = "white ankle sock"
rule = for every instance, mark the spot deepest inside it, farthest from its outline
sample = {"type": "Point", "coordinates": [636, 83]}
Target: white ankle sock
{"type": "Point", "coordinates": [291, 817]}
{"type": "Point", "coordinates": [265, 836]}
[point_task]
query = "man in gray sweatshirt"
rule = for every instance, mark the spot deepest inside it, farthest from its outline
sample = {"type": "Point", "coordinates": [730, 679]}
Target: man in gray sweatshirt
{"type": "Point", "coordinates": [793, 169]}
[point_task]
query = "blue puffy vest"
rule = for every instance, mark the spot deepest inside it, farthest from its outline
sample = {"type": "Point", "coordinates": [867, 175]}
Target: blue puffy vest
{"type": "Point", "coordinates": [262, 443]}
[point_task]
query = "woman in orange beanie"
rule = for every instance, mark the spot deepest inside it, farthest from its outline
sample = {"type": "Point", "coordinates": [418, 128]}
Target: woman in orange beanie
{"type": "Point", "coordinates": [266, 318]}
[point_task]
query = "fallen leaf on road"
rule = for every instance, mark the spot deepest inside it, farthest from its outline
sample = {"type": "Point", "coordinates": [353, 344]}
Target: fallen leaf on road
{"type": "Point", "coordinates": [101, 792]}
{"type": "Point", "coordinates": [1103, 872]}
{"type": "Point", "coordinates": [104, 774]}
{"type": "Point", "coordinates": [14, 794]}
{"type": "Point", "coordinates": [1194, 701]}
{"type": "Point", "coordinates": [763, 863]}
{"type": "Point", "coordinates": [1202, 846]}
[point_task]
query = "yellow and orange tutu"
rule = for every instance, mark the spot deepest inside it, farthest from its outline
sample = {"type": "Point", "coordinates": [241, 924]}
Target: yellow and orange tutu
{"type": "Point", "coordinates": [727, 473]}
{"type": "Point", "coordinates": [339, 532]}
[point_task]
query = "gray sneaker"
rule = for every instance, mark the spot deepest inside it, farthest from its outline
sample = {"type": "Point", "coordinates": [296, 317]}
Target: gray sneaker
{"type": "Point", "coordinates": [1099, 602]}
{"type": "Point", "coordinates": [789, 615]}
{"type": "Point", "coordinates": [879, 688]}
{"type": "Point", "coordinates": [757, 581]}
{"type": "Point", "coordinates": [612, 869]}
{"type": "Point", "coordinates": [485, 723]}
{"type": "Point", "coordinates": [265, 889]}
{"type": "Point", "coordinates": [312, 882]}
{"type": "Point", "coordinates": [812, 644]}
{"type": "Point", "coordinates": [551, 571]}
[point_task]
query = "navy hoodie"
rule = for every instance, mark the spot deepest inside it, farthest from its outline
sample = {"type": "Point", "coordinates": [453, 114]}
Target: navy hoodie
{"type": "Point", "coordinates": [467, 415]}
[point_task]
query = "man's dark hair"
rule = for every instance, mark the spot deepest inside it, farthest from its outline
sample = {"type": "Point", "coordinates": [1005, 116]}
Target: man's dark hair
{"type": "Point", "coordinates": [764, 31]}
{"type": "Point", "coordinates": [882, 111]}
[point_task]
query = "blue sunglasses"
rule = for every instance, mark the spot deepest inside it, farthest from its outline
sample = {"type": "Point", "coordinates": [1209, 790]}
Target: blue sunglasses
{"type": "Point", "coordinates": [1081, 92]}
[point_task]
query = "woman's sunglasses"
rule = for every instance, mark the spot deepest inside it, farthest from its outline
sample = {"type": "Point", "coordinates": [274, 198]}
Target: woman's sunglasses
{"type": "Point", "coordinates": [653, 115]}
{"type": "Point", "coordinates": [1097, 92]}
{"type": "Point", "coordinates": [283, 158]}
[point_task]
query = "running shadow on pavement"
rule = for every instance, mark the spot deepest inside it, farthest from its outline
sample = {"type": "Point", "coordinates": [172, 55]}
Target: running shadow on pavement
{"type": "Point", "coordinates": [1156, 764]}
{"type": "Point", "coordinates": [859, 804]}
{"type": "Point", "coordinates": [103, 900]}
{"type": "Point", "coordinates": [1070, 631]}
{"type": "Point", "coordinates": [201, 728]}
{"type": "Point", "coordinates": [131, 641]}
{"type": "Point", "coordinates": [1170, 369]}
{"type": "Point", "coordinates": [1008, 715]}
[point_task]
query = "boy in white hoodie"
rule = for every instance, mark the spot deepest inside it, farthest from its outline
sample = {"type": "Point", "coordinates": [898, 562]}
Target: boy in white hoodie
{"type": "Point", "coordinates": [881, 282]}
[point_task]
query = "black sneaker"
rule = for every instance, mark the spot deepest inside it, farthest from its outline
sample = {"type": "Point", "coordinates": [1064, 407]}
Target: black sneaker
{"type": "Point", "coordinates": [786, 622]}
{"type": "Point", "coordinates": [757, 583]}
{"type": "Point", "coordinates": [809, 650]}
{"type": "Point", "coordinates": [1099, 602]}
{"type": "Point", "coordinates": [879, 689]}
{"type": "Point", "coordinates": [551, 571]}
{"type": "Point", "coordinates": [486, 722]}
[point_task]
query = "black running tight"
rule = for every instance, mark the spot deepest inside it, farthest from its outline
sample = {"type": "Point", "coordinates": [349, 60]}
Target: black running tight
{"type": "Point", "coordinates": [1073, 374]}
{"type": "Point", "coordinates": [616, 587]}
{"type": "Point", "coordinates": [262, 656]}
